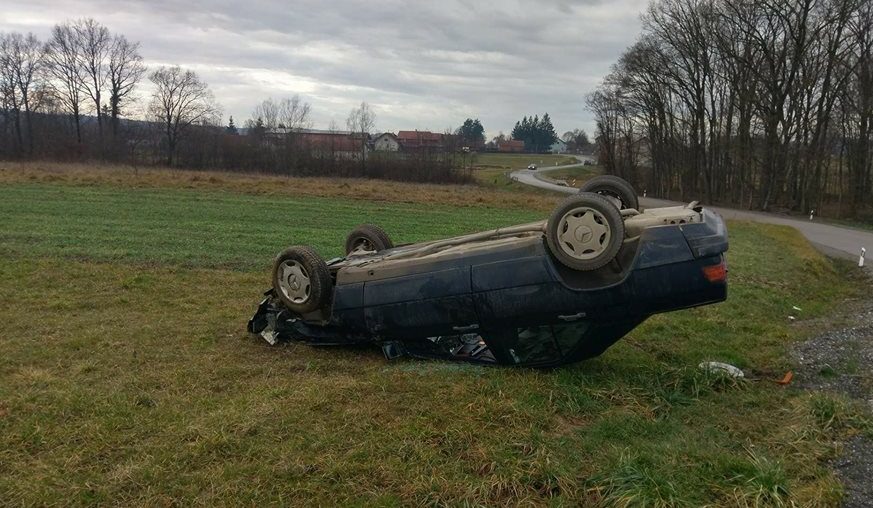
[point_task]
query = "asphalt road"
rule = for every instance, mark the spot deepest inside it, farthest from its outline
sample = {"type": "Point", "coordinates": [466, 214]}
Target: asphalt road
{"type": "Point", "coordinates": [832, 240]}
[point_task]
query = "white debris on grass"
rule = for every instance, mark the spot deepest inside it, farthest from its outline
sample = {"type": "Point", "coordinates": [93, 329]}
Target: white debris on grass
{"type": "Point", "coordinates": [722, 368]}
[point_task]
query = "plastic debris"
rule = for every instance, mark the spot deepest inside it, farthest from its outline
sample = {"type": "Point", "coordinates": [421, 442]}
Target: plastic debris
{"type": "Point", "coordinates": [791, 318]}
{"type": "Point", "coordinates": [786, 379]}
{"type": "Point", "coordinates": [795, 307]}
{"type": "Point", "coordinates": [722, 368]}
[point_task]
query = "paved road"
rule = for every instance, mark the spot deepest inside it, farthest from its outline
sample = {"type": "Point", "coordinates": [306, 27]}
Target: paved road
{"type": "Point", "coordinates": [832, 240]}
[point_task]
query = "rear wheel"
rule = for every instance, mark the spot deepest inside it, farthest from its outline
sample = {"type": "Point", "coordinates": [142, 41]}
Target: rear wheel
{"type": "Point", "coordinates": [585, 231]}
{"type": "Point", "coordinates": [615, 189]}
{"type": "Point", "coordinates": [301, 279]}
{"type": "Point", "coordinates": [368, 238]}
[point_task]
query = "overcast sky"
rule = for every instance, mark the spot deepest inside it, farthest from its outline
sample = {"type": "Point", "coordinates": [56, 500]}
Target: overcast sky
{"type": "Point", "coordinates": [420, 65]}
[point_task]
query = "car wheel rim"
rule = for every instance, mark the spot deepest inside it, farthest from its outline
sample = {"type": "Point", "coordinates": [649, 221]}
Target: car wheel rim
{"type": "Point", "coordinates": [614, 199]}
{"type": "Point", "coordinates": [583, 233]}
{"type": "Point", "coordinates": [294, 281]}
{"type": "Point", "coordinates": [362, 244]}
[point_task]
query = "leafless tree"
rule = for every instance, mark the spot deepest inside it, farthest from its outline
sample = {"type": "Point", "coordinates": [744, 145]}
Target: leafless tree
{"type": "Point", "coordinates": [180, 100]}
{"type": "Point", "coordinates": [64, 67]}
{"type": "Point", "coordinates": [758, 102]}
{"type": "Point", "coordinates": [287, 115]}
{"type": "Point", "coordinates": [125, 71]}
{"type": "Point", "coordinates": [95, 43]}
{"type": "Point", "coordinates": [21, 62]}
{"type": "Point", "coordinates": [362, 121]}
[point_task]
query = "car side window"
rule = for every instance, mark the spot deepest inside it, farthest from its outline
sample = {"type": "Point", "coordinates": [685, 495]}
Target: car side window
{"type": "Point", "coordinates": [546, 343]}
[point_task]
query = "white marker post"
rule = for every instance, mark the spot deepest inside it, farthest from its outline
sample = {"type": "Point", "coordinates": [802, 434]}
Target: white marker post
{"type": "Point", "coordinates": [861, 259]}
{"type": "Point", "coordinates": [644, 192]}
{"type": "Point", "coordinates": [811, 213]}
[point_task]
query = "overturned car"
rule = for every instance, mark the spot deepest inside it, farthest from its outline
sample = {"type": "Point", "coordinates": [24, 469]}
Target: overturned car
{"type": "Point", "coordinates": [540, 294]}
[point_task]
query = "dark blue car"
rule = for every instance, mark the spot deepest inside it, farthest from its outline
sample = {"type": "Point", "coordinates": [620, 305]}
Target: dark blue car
{"type": "Point", "coordinates": [540, 294]}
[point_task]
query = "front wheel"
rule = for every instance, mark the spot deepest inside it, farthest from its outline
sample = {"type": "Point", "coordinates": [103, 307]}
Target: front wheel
{"type": "Point", "coordinates": [585, 231]}
{"type": "Point", "coordinates": [301, 279]}
{"type": "Point", "coordinates": [368, 238]}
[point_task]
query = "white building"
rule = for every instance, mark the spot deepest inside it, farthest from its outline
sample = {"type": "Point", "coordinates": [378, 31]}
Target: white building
{"type": "Point", "coordinates": [558, 147]}
{"type": "Point", "coordinates": [386, 142]}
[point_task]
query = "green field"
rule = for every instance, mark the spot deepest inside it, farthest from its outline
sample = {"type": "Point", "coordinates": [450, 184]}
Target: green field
{"type": "Point", "coordinates": [210, 229]}
{"type": "Point", "coordinates": [576, 176]}
{"type": "Point", "coordinates": [519, 160]}
{"type": "Point", "coordinates": [127, 377]}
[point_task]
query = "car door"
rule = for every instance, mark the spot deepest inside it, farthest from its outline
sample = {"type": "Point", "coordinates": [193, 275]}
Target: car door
{"type": "Point", "coordinates": [421, 305]}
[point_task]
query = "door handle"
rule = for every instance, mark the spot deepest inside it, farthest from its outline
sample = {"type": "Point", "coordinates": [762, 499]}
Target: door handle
{"type": "Point", "coordinates": [572, 317]}
{"type": "Point", "coordinates": [467, 328]}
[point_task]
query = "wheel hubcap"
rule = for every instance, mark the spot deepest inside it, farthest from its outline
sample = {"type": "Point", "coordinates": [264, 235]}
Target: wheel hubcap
{"type": "Point", "coordinates": [583, 233]}
{"type": "Point", "coordinates": [294, 281]}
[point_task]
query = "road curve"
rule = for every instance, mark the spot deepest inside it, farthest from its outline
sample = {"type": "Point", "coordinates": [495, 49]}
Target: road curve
{"type": "Point", "coordinates": [832, 240]}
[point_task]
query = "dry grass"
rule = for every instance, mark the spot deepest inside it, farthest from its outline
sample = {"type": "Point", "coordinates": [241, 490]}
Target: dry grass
{"type": "Point", "coordinates": [259, 184]}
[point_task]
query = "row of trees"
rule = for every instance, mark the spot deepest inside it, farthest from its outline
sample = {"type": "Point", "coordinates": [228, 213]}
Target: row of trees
{"type": "Point", "coordinates": [66, 97]}
{"type": "Point", "coordinates": [537, 133]}
{"type": "Point", "coordinates": [71, 98]}
{"type": "Point", "coordinates": [83, 68]}
{"type": "Point", "coordinates": [763, 103]}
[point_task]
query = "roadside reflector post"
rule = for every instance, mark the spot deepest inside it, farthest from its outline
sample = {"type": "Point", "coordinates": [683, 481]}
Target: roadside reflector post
{"type": "Point", "coordinates": [811, 213]}
{"type": "Point", "coordinates": [861, 259]}
{"type": "Point", "coordinates": [644, 192]}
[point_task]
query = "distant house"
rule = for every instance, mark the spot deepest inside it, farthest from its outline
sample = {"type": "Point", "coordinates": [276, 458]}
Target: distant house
{"type": "Point", "coordinates": [421, 141]}
{"type": "Point", "coordinates": [511, 146]}
{"type": "Point", "coordinates": [386, 142]}
{"type": "Point", "coordinates": [342, 144]}
{"type": "Point", "coordinates": [558, 147]}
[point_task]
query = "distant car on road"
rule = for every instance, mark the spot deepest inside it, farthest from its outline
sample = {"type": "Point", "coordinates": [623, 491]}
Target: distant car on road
{"type": "Point", "coordinates": [532, 167]}
{"type": "Point", "coordinates": [541, 294]}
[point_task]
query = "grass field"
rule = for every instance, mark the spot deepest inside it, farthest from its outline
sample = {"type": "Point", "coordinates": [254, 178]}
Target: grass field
{"type": "Point", "coordinates": [575, 177]}
{"type": "Point", "coordinates": [519, 160]}
{"type": "Point", "coordinates": [126, 376]}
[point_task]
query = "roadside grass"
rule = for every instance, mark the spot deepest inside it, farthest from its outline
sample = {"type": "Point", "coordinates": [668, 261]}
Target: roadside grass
{"type": "Point", "coordinates": [127, 377]}
{"type": "Point", "coordinates": [497, 179]}
{"type": "Point", "coordinates": [575, 177]}
{"type": "Point", "coordinates": [519, 160]}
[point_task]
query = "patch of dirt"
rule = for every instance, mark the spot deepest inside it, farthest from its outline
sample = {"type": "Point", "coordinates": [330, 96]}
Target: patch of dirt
{"type": "Point", "coordinates": [840, 359]}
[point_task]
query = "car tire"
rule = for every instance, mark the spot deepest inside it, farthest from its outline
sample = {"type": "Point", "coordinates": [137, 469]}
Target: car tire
{"type": "Point", "coordinates": [585, 231]}
{"type": "Point", "coordinates": [616, 189]}
{"type": "Point", "coordinates": [301, 279]}
{"type": "Point", "coordinates": [369, 237]}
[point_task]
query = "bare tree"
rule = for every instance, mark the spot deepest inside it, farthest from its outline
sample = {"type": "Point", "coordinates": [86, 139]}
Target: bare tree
{"type": "Point", "coordinates": [64, 67]}
{"type": "Point", "coordinates": [267, 112]}
{"type": "Point", "coordinates": [362, 121]}
{"type": "Point", "coordinates": [125, 71]}
{"type": "Point", "coordinates": [21, 61]}
{"type": "Point", "coordinates": [294, 114]}
{"type": "Point", "coordinates": [180, 100]}
{"type": "Point", "coordinates": [287, 115]}
{"type": "Point", "coordinates": [94, 42]}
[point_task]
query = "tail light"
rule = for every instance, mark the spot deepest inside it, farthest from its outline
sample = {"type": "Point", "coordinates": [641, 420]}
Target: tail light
{"type": "Point", "coordinates": [716, 273]}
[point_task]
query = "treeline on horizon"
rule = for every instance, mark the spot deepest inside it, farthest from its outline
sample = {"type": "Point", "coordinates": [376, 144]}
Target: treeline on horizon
{"type": "Point", "coordinates": [765, 104]}
{"type": "Point", "coordinates": [70, 98]}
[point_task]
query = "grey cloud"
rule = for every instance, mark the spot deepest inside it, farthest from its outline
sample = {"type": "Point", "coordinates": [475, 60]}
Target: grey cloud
{"type": "Point", "coordinates": [419, 64]}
